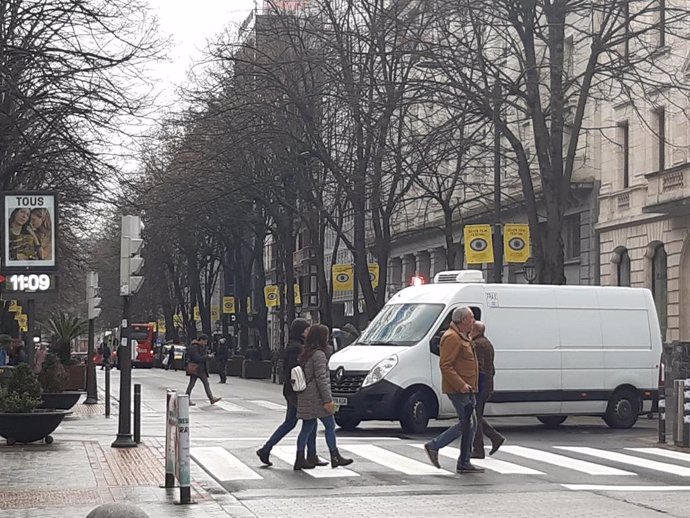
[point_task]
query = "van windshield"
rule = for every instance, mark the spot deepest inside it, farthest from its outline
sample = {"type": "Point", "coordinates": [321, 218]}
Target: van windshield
{"type": "Point", "coordinates": [401, 324]}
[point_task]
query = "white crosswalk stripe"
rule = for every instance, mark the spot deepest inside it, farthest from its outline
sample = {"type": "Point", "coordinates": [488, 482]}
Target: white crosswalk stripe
{"type": "Point", "coordinates": [499, 466]}
{"type": "Point", "coordinates": [231, 407]}
{"type": "Point", "coordinates": [669, 454]}
{"type": "Point", "coordinates": [270, 405]}
{"type": "Point", "coordinates": [287, 454]}
{"type": "Point", "coordinates": [562, 461]}
{"type": "Point", "coordinates": [222, 464]}
{"type": "Point", "coordinates": [393, 461]}
{"type": "Point", "coordinates": [630, 460]}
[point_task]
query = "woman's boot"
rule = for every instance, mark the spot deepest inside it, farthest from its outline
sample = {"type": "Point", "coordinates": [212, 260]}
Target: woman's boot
{"type": "Point", "coordinates": [339, 460]}
{"type": "Point", "coordinates": [302, 463]}
{"type": "Point", "coordinates": [314, 460]}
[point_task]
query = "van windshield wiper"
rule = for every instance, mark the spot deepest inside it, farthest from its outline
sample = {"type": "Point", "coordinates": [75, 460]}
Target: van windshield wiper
{"type": "Point", "coordinates": [377, 343]}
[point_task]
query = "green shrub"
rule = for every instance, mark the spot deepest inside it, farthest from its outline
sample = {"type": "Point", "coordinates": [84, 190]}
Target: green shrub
{"type": "Point", "coordinates": [19, 403]}
{"type": "Point", "coordinates": [23, 381]}
{"type": "Point", "coordinates": [53, 376]}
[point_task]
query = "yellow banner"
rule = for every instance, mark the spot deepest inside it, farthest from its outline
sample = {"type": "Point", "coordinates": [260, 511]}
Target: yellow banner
{"type": "Point", "coordinates": [14, 307]}
{"type": "Point", "coordinates": [197, 315]}
{"type": "Point", "coordinates": [23, 329]}
{"type": "Point", "coordinates": [17, 316]}
{"type": "Point", "coordinates": [215, 312]}
{"type": "Point", "coordinates": [516, 243]}
{"type": "Point", "coordinates": [161, 325]}
{"type": "Point", "coordinates": [343, 277]}
{"type": "Point", "coordinates": [23, 320]}
{"type": "Point", "coordinates": [478, 247]}
{"type": "Point", "coordinates": [249, 305]}
{"type": "Point", "coordinates": [272, 296]}
{"type": "Point", "coordinates": [229, 305]}
{"type": "Point", "coordinates": [177, 320]}
{"type": "Point", "coordinates": [374, 274]}
{"type": "Point", "coordinates": [298, 295]}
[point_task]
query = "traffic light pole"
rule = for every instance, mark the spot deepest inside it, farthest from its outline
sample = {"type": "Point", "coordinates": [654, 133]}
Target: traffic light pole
{"type": "Point", "coordinates": [91, 386]}
{"type": "Point", "coordinates": [124, 433]}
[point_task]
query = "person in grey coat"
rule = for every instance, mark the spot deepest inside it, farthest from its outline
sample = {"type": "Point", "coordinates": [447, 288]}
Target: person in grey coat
{"type": "Point", "coordinates": [315, 402]}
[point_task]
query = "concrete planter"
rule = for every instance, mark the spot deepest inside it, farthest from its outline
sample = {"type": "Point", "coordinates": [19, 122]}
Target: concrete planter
{"type": "Point", "coordinates": [76, 377]}
{"type": "Point", "coordinates": [235, 366]}
{"type": "Point", "coordinates": [252, 369]}
{"type": "Point", "coordinates": [60, 400]}
{"type": "Point", "coordinates": [30, 427]}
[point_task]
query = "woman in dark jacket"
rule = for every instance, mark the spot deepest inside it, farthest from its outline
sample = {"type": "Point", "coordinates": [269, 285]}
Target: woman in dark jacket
{"type": "Point", "coordinates": [198, 357]}
{"type": "Point", "coordinates": [298, 330]}
{"type": "Point", "coordinates": [315, 402]}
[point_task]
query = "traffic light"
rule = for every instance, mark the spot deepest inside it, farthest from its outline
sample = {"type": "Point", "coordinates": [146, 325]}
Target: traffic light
{"type": "Point", "coordinates": [131, 261]}
{"type": "Point", "coordinates": [93, 292]}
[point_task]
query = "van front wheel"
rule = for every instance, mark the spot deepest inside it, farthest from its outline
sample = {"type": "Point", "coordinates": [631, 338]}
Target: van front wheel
{"type": "Point", "coordinates": [623, 409]}
{"type": "Point", "coordinates": [415, 413]}
{"type": "Point", "coordinates": [552, 421]}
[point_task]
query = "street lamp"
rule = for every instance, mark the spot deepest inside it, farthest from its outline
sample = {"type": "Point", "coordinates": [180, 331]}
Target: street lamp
{"type": "Point", "coordinates": [530, 272]}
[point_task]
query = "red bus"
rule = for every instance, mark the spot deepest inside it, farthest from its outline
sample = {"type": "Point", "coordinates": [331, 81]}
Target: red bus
{"type": "Point", "coordinates": [144, 355]}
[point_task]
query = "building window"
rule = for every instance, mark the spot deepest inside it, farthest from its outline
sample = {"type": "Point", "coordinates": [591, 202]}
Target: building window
{"type": "Point", "coordinates": [624, 134]}
{"type": "Point", "coordinates": [623, 268]}
{"type": "Point", "coordinates": [660, 286]}
{"type": "Point", "coordinates": [661, 138]}
{"type": "Point", "coordinates": [571, 237]}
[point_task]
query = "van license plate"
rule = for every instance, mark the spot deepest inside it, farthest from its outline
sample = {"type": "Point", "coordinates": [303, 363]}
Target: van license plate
{"type": "Point", "coordinates": [342, 401]}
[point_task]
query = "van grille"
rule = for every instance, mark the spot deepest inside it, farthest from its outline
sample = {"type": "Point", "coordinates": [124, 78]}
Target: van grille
{"type": "Point", "coordinates": [349, 384]}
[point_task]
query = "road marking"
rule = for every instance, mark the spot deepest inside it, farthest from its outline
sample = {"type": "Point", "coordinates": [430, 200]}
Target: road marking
{"type": "Point", "coordinates": [287, 454]}
{"type": "Point", "coordinates": [670, 454]}
{"type": "Point", "coordinates": [629, 459]}
{"type": "Point", "coordinates": [393, 460]}
{"type": "Point", "coordinates": [562, 461]}
{"type": "Point", "coordinates": [632, 489]}
{"type": "Point", "coordinates": [222, 465]}
{"type": "Point", "coordinates": [262, 439]}
{"type": "Point", "coordinates": [268, 404]}
{"type": "Point", "coordinates": [230, 407]}
{"type": "Point", "coordinates": [499, 466]}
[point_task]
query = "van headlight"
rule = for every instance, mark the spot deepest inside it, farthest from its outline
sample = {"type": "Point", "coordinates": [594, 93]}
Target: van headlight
{"type": "Point", "coordinates": [380, 370]}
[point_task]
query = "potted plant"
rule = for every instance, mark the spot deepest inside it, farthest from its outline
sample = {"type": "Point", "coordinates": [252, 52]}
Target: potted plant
{"type": "Point", "coordinates": [53, 378]}
{"type": "Point", "coordinates": [20, 421]}
{"type": "Point", "coordinates": [64, 329]}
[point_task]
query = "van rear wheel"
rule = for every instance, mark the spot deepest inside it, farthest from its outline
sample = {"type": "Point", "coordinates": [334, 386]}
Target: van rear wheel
{"type": "Point", "coordinates": [552, 421]}
{"type": "Point", "coordinates": [415, 413]}
{"type": "Point", "coordinates": [347, 423]}
{"type": "Point", "coordinates": [623, 409]}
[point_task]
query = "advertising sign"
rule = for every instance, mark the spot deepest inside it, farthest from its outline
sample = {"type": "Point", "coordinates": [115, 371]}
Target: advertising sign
{"type": "Point", "coordinates": [478, 246]}
{"type": "Point", "coordinates": [29, 230]}
{"type": "Point", "coordinates": [298, 295]}
{"type": "Point", "coordinates": [374, 274]}
{"type": "Point", "coordinates": [272, 296]}
{"type": "Point", "coordinates": [516, 243]}
{"type": "Point", "coordinates": [343, 277]}
{"type": "Point", "coordinates": [229, 305]}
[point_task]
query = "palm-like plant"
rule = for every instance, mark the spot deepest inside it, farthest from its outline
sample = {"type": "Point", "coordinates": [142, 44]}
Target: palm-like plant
{"type": "Point", "coordinates": [64, 328]}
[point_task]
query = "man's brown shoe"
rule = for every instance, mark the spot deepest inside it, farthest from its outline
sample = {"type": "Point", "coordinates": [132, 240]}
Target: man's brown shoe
{"type": "Point", "coordinates": [469, 468]}
{"type": "Point", "coordinates": [215, 400]}
{"type": "Point", "coordinates": [495, 445]}
{"type": "Point", "coordinates": [433, 455]}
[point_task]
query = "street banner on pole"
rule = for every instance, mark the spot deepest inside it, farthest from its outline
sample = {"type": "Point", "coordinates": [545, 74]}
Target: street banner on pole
{"type": "Point", "coordinates": [374, 274]}
{"type": "Point", "coordinates": [249, 306]}
{"type": "Point", "coordinates": [14, 307]}
{"type": "Point", "coordinates": [177, 320]}
{"type": "Point", "coordinates": [229, 305]}
{"type": "Point", "coordinates": [298, 295]}
{"type": "Point", "coordinates": [516, 243]}
{"type": "Point", "coordinates": [272, 296]}
{"type": "Point", "coordinates": [197, 314]}
{"type": "Point", "coordinates": [478, 246]}
{"type": "Point", "coordinates": [343, 277]}
{"type": "Point", "coordinates": [215, 312]}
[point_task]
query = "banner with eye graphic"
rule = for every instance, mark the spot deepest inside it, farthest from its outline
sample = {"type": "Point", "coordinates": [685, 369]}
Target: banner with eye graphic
{"type": "Point", "coordinates": [478, 246]}
{"type": "Point", "coordinates": [516, 243]}
{"type": "Point", "coordinates": [272, 296]}
{"type": "Point", "coordinates": [343, 277]}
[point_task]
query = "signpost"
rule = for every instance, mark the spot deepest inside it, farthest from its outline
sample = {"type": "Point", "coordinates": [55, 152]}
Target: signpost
{"type": "Point", "coordinates": [177, 446]}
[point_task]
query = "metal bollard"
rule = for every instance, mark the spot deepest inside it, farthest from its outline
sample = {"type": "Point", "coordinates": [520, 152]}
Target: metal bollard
{"type": "Point", "coordinates": [662, 419]}
{"type": "Point", "coordinates": [169, 469]}
{"type": "Point", "coordinates": [107, 391]}
{"type": "Point", "coordinates": [137, 413]}
{"type": "Point", "coordinates": [681, 437]}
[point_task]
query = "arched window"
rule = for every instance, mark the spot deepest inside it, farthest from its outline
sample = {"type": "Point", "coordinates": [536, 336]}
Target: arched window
{"type": "Point", "coordinates": [623, 267]}
{"type": "Point", "coordinates": [660, 286]}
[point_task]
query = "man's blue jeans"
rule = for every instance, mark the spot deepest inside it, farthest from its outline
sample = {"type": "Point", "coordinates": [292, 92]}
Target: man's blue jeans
{"type": "Point", "coordinates": [465, 427]}
{"type": "Point", "coordinates": [285, 428]}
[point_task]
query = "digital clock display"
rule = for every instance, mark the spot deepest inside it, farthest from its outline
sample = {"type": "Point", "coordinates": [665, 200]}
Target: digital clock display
{"type": "Point", "coordinates": [30, 282]}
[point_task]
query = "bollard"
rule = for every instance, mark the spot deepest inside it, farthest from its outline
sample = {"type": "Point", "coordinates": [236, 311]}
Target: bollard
{"type": "Point", "coordinates": [137, 413]}
{"type": "Point", "coordinates": [169, 443]}
{"type": "Point", "coordinates": [107, 391]}
{"type": "Point", "coordinates": [184, 468]}
{"type": "Point", "coordinates": [681, 436]}
{"type": "Point", "coordinates": [662, 420]}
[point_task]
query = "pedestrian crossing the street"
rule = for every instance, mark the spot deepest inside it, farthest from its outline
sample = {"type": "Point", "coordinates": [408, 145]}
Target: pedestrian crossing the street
{"type": "Point", "coordinates": [235, 464]}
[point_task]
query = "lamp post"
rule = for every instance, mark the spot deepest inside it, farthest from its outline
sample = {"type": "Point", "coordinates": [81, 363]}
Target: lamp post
{"type": "Point", "coordinates": [530, 272]}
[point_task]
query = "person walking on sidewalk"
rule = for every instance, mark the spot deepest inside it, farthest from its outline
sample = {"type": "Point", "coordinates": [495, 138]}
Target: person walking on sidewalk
{"type": "Point", "coordinates": [105, 356]}
{"type": "Point", "coordinates": [484, 350]}
{"type": "Point", "coordinates": [197, 368]}
{"type": "Point", "coordinates": [290, 355]}
{"type": "Point", "coordinates": [460, 377]}
{"type": "Point", "coordinates": [171, 358]}
{"type": "Point", "coordinates": [222, 355]}
{"type": "Point", "coordinates": [316, 402]}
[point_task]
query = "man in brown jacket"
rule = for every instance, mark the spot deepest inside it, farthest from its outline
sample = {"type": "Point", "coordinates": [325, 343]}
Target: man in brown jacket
{"type": "Point", "coordinates": [460, 381]}
{"type": "Point", "coordinates": [484, 350]}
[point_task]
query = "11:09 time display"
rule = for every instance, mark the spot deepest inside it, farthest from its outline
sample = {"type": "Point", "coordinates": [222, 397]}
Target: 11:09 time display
{"type": "Point", "coordinates": [30, 282]}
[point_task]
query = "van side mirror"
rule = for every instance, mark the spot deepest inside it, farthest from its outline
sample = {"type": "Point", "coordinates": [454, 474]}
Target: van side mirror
{"type": "Point", "coordinates": [435, 345]}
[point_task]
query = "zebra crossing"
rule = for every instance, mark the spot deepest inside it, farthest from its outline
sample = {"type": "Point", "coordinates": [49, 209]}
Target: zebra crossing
{"type": "Point", "coordinates": [235, 464]}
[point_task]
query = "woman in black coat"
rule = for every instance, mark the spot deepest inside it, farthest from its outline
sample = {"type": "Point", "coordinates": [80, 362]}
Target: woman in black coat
{"type": "Point", "coordinates": [290, 356]}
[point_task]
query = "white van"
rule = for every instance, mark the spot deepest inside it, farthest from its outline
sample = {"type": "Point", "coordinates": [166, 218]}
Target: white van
{"type": "Point", "coordinates": [560, 351]}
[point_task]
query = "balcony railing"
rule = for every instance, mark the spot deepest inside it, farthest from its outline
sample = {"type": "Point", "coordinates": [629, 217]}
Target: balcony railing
{"type": "Point", "coordinates": [303, 255]}
{"type": "Point", "coordinates": [669, 191]}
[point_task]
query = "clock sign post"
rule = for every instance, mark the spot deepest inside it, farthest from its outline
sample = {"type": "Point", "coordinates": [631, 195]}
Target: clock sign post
{"type": "Point", "coordinates": [29, 246]}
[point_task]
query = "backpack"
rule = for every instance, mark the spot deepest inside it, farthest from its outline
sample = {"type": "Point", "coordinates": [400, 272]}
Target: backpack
{"type": "Point", "coordinates": [298, 379]}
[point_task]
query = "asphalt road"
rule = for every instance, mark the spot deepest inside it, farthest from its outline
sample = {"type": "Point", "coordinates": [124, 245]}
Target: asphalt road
{"type": "Point", "coordinates": [581, 456]}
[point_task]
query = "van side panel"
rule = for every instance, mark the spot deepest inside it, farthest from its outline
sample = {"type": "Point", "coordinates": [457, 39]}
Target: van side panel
{"type": "Point", "coordinates": [523, 327]}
